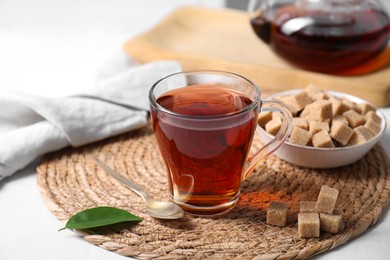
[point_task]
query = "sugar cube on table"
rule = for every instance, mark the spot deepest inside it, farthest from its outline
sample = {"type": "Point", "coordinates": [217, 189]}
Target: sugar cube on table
{"type": "Point", "coordinates": [354, 118]}
{"type": "Point", "coordinates": [277, 213]}
{"type": "Point", "coordinates": [320, 110]}
{"type": "Point", "coordinates": [307, 206]}
{"type": "Point", "coordinates": [299, 136]}
{"type": "Point", "coordinates": [322, 139]}
{"type": "Point", "coordinates": [341, 132]}
{"type": "Point", "coordinates": [326, 200]}
{"type": "Point", "coordinates": [308, 224]}
{"type": "Point", "coordinates": [331, 223]}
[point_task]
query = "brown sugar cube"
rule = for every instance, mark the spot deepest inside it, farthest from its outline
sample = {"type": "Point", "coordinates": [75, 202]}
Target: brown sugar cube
{"type": "Point", "coordinates": [307, 206]}
{"type": "Point", "coordinates": [296, 102]}
{"type": "Point", "coordinates": [283, 99]}
{"type": "Point", "coordinates": [361, 134]}
{"type": "Point", "coordinates": [317, 126]}
{"type": "Point", "coordinates": [320, 110]}
{"type": "Point", "coordinates": [322, 140]}
{"type": "Point", "coordinates": [299, 136]}
{"type": "Point", "coordinates": [319, 96]}
{"type": "Point", "coordinates": [373, 126]}
{"type": "Point", "coordinates": [331, 223]}
{"type": "Point", "coordinates": [366, 107]}
{"type": "Point", "coordinates": [277, 213]}
{"type": "Point", "coordinates": [300, 100]}
{"type": "Point", "coordinates": [288, 101]}
{"type": "Point", "coordinates": [340, 119]}
{"type": "Point", "coordinates": [300, 122]}
{"type": "Point", "coordinates": [372, 115]}
{"type": "Point", "coordinates": [357, 109]}
{"type": "Point", "coordinates": [338, 107]}
{"type": "Point", "coordinates": [277, 116]}
{"type": "Point", "coordinates": [313, 89]}
{"type": "Point", "coordinates": [354, 119]}
{"type": "Point", "coordinates": [273, 126]}
{"type": "Point", "coordinates": [327, 199]}
{"type": "Point", "coordinates": [308, 224]}
{"type": "Point", "coordinates": [341, 132]}
{"type": "Point", "coordinates": [264, 117]}
{"type": "Point", "coordinates": [348, 103]}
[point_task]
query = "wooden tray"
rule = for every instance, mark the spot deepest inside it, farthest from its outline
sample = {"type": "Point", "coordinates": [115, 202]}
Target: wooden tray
{"type": "Point", "coordinates": [223, 39]}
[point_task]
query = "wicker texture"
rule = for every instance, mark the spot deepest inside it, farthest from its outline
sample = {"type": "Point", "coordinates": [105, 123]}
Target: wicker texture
{"type": "Point", "coordinates": [69, 182]}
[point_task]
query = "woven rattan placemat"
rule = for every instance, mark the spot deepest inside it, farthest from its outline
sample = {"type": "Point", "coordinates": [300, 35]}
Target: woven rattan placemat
{"type": "Point", "coordinates": [70, 182]}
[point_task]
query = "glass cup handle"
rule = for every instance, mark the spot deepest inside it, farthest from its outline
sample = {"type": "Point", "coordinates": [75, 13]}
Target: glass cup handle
{"type": "Point", "coordinates": [279, 139]}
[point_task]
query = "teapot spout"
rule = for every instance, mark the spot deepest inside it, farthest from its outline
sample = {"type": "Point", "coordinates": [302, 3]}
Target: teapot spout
{"type": "Point", "coordinates": [262, 27]}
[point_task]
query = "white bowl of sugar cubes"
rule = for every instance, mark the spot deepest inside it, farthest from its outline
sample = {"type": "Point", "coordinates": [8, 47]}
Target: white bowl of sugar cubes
{"type": "Point", "coordinates": [330, 129]}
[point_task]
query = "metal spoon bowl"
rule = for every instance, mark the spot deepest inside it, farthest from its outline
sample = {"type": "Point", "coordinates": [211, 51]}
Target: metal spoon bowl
{"type": "Point", "coordinates": [155, 209]}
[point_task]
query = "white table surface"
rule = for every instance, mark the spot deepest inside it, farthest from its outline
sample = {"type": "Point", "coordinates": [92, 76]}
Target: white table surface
{"type": "Point", "coordinates": [53, 48]}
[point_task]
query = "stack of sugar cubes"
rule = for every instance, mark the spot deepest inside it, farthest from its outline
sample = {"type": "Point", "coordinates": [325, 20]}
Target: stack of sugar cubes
{"type": "Point", "coordinates": [313, 216]}
{"type": "Point", "coordinates": [325, 121]}
{"type": "Point", "coordinates": [319, 215]}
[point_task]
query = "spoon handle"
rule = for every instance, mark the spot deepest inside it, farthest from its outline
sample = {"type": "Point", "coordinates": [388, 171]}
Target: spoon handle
{"type": "Point", "coordinates": [131, 185]}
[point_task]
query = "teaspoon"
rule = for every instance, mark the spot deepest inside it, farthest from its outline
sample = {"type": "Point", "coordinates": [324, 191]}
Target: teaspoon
{"type": "Point", "coordinates": [155, 209]}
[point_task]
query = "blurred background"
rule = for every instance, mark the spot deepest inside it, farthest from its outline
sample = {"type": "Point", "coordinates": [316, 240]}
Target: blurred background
{"type": "Point", "coordinates": [242, 4]}
{"type": "Point", "coordinates": [61, 32]}
{"type": "Point", "coordinates": [54, 47]}
{"type": "Point", "coordinates": [70, 38]}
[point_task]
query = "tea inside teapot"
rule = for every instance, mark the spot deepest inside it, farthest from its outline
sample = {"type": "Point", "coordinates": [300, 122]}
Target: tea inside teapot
{"type": "Point", "coordinates": [323, 35]}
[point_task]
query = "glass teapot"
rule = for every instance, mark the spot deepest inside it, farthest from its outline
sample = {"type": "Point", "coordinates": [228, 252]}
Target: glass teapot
{"type": "Point", "coordinates": [328, 36]}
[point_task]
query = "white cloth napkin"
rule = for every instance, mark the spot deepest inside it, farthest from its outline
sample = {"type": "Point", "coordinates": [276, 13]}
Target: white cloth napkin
{"type": "Point", "coordinates": [31, 126]}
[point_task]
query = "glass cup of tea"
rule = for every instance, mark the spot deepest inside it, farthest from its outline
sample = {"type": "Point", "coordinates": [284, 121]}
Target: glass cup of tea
{"type": "Point", "coordinates": [328, 36]}
{"type": "Point", "coordinates": [204, 123]}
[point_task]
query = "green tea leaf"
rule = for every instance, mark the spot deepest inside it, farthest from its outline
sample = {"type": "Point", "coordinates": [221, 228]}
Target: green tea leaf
{"type": "Point", "coordinates": [99, 217]}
